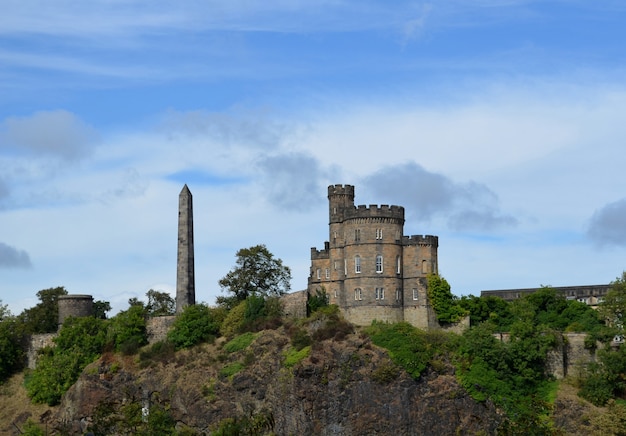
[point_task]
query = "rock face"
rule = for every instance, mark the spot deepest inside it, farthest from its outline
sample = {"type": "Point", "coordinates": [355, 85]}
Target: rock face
{"type": "Point", "coordinates": [343, 387]}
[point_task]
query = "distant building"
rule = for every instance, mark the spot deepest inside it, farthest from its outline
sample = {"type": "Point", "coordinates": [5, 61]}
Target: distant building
{"type": "Point", "coordinates": [369, 268]}
{"type": "Point", "coordinates": [591, 295]}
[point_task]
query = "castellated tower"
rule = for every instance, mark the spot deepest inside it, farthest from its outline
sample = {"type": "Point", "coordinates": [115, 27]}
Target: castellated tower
{"type": "Point", "coordinates": [369, 268]}
{"type": "Point", "coordinates": [185, 278]}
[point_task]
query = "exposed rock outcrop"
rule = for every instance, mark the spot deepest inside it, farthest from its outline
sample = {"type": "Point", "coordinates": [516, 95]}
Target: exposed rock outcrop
{"type": "Point", "coordinates": [339, 389]}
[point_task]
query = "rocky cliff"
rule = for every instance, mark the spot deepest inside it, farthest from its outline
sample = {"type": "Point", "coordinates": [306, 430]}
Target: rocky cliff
{"type": "Point", "coordinates": [342, 386]}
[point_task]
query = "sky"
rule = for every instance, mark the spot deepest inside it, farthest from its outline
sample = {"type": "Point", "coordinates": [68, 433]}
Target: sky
{"type": "Point", "coordinates": [499, 125]}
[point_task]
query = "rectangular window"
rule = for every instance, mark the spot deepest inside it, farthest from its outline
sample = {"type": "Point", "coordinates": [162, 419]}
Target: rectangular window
{"type": "Point", "coordinates": [379, 264]}
{"type": "Point", "coordinates": [357, 294]}
{"type": "Point", "coordinates": [357, 235]}
{"type": "Point", "coordinates": [379, 233]}
{"type": "Point", "coordinates": [398, 294]}
{"type": "Point", "coordinates": [398, 265]}
{"type": "Point", "coordinates": [319, 273]}
{"type": "Point", "coordinates": [357, 264]}
{"type": "Point", "coordinates": [415, 296]}
{"type": "Point", "coordinates": [380, 293]}
{"type": "Point", "coordinates": [327, 273]}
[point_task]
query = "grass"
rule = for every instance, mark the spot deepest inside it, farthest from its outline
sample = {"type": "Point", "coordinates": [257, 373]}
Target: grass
{"type": "Point", "coordinates": [294, 356]}
{"type": "Point", "coordinates": [231, 369]}
{"type": "Point", "coordinates": [240, 342]}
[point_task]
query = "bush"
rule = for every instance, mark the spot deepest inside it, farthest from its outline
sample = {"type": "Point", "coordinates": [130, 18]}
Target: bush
{"type": "Point", "coordinates": [234, 321]}
{"type": "Point", "coordinates": [127, 331]}
{"type": "Point", "coordinates": [240, 342]}
{"type": "Point", "coordinates": [293, 356]}
{"type": "Point", "coordinates": [407, 346]}
{"type": "Point", "coordinates": [162, 351]}
{"type": "Point", "coordinates": [11, 348]}
{"type": "Point", "coordinates": [196, 324]}
{"type": "Point", "coordinates": [80, 342]}
{"type": "Point", "coordinates": [231, 369]}
{"type": "Point", "coordinates": [317, 301]}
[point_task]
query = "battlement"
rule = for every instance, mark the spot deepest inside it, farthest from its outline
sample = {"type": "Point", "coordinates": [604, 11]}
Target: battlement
{"type": "Point", "coordinates": [320, 254]}
{"type": "Point", "coordinates": [341, 190]}
{"type": "Point", "coordinates": [421, 240]}
{"type": "Point", "coordinates": [376, 211]}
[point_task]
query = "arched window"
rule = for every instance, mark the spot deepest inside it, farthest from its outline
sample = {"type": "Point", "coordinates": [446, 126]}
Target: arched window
{"type": "Point", "coordinates": [379, 263]}
{"type": "Point", "coordinates": [358, 295]}
{"type": "Point", "coordinates": [357, 264]}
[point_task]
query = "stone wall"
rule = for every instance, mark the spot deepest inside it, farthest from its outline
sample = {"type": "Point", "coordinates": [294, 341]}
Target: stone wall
{"type": "Point", "coordinates": [158, 327]}
{"type": "Point", "coordinates": [294, 304]}
{"type": "Point", "coordinates": [36, 343]}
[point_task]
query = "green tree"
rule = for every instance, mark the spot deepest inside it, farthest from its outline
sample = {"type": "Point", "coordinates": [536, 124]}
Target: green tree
{"type": "Point", "coordinates": [160, 303]}
{"type": "Point", "coordinates": [100, 309]}
{"type": "Point", "coordinates": [80, 342]}
{"type": "Point", "coordinates": [11, 347]}
{"type": "Point", "coordinates": [127, 330]}
{"type": "Point", "coordinates": [257, 272]}
{"type": "Point", "coordinates": [44, 317]}
{"type": "Point", "coordinates": [444, 303]}
{"type": "Point", "coordinates": [613, 308]}
{"type": "Point", "coordinates": [317, 301]}
{"type": "Point", "coordinates": [195, 324]}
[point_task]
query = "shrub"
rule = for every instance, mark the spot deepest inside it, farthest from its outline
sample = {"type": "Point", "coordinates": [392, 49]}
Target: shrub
{"type": "Point", "coordinates": [299, 338]}
{"type": "Point", "coordinates": [127, 330]}
{"type": "Point", "coordinates": [293, 356]}
{"type": "Point", "coordinates": [234, 321]}
{"type": "Point", "coordinates": [385, 373]}
{"type": "Point", "coordinates": [240, 342]}
{"type": "Point", "coordinates": [80, 342]}
{"type": "Point", "coordinates": [196, 324]}
{"type": "Point", "coordinates": [161, 351]}
{"type": "Point", "coordinates": [317, 301]}
{"type": "Point", "coordinates": [407, 346]}
{"type": "Point", "coordinates": [231, 369]}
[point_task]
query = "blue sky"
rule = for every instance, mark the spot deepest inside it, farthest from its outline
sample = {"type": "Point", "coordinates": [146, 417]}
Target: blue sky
{"type": "Point", "coordinates": [498, 125]}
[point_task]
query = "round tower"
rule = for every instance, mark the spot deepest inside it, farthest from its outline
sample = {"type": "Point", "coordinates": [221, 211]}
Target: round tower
{"type": "Point", "coordinates": [74, 305]}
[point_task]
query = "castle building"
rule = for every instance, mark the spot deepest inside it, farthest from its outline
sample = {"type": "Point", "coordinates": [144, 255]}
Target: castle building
{"type": "Point", "coordinates": [369, 268]}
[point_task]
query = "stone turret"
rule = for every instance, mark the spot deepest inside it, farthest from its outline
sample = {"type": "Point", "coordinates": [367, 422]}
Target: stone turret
{"type": "Point", "coordinates": [74, 305]}
{"type": "Point", "coordinates": [185, 277]}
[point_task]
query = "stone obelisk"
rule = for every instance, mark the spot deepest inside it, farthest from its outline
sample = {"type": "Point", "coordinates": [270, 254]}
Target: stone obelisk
{"type": "Point", "coordinates": [185, 278]}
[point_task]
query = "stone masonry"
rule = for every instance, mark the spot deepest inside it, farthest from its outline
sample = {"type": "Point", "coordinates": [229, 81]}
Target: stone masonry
{"type": "Point", "coordinates": [369, 268]}
{"type": "Point", "coordinates": [185, 277]}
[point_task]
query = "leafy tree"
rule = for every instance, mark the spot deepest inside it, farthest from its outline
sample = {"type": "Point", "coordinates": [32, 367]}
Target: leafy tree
{"type": "Point", "coordinates": [491, 309]}
{"type": "Point", "coordinates": [160, 303]}
{"type": "Point", "coordinates": [317, 301]}
{"type": "Point", "coordinates": [257, 272]}
{"type": "Point", "coordinates": [613, 308]}
{"type": "Point", "coordinates": [80, 342]}
{"type": "Point", "coordinates": [44, 317]}
{"type": "Point", "coordinates": [100, 309]}
{"type": "Point", "coordinates": [11, 347]}
{"type": "Point", "coordinates": [195, 324]}
{"type": "Point", "coordinates": [127, 330]}
{"type": "Point", "coordinates": [444, 303]}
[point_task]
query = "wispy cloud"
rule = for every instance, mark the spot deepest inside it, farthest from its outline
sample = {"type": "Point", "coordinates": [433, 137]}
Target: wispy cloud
{"type": "Point", "coordinates": [11, 257]}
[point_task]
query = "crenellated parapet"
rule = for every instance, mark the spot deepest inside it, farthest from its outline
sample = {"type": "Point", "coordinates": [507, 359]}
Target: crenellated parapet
{"type": "Point", "coordinates": [375, 213]}
{"type": "Point", "coordinates": [423, 240]}
{"type": "Point", "coordinates": [319, 254]}
{"type": "Point", "coordinates": [347, 190]}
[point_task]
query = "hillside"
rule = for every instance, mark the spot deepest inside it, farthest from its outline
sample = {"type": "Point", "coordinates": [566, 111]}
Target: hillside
{"type": "Point", "coordinates": [258, 383]}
